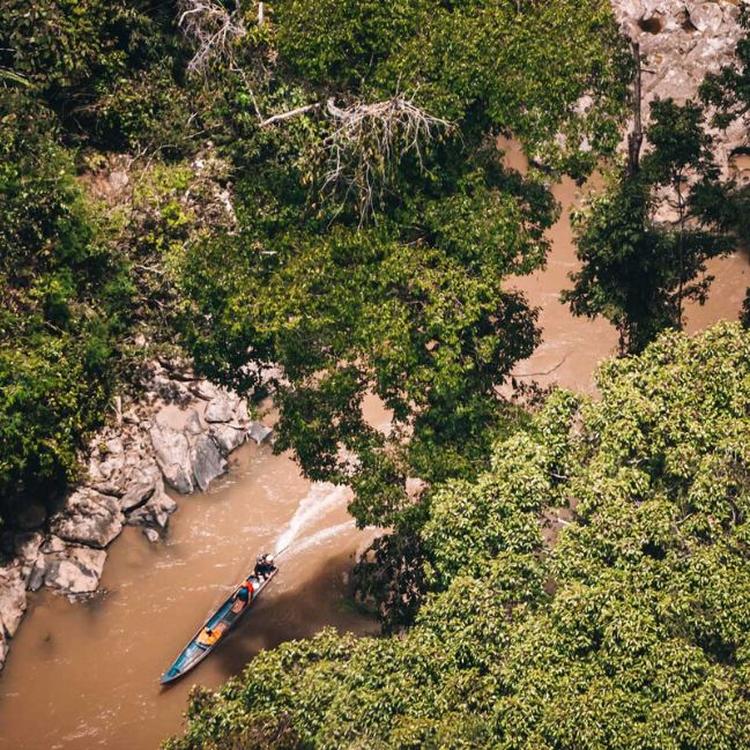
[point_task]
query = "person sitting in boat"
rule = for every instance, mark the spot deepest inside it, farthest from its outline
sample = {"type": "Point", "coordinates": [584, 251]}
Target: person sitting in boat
{"type": "Point", "coordinates": [243, 596]}
{"type": "Point", "coordinates": [264, 566]}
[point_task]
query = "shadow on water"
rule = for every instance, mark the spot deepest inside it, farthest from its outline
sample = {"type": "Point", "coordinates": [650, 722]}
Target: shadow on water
{"type": "Point", "coordinates": [282, 614]}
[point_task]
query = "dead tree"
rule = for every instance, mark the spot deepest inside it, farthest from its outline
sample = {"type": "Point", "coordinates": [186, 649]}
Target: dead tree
{"type": "Point", "coordinates": [367, 143]}
{"type": "Point", "coordinates": [213, 28]}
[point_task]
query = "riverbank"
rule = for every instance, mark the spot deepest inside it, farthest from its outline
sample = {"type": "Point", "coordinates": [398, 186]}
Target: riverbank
{"type": "Point", "coordinates": [86, 675]}
{"type": "Point", "coordinates": [179, 434]}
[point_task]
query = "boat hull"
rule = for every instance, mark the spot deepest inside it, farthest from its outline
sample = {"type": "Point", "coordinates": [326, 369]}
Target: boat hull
{"type": "Point", "coordinates": [213, 631]}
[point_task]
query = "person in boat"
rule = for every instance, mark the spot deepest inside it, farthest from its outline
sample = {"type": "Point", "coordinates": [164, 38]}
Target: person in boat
{"type": "Point", "coordinates": [264, 566]}
{"type": "Point", "coordinates": [243, 596]}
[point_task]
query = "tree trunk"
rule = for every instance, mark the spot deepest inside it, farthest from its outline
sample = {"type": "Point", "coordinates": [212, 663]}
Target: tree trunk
{"type": "Point", "coordinates": [635, 137]}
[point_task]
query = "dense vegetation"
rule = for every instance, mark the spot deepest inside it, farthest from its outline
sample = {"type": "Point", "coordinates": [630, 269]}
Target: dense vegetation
{"type": "Point", "coordinates": [378, 226]}
{"type": "Point", "coordinates": [367, 249]}
{"type": "Point", "coordinates": [77, 80]}
{"type": "Point", "coordinates": [630, 632]}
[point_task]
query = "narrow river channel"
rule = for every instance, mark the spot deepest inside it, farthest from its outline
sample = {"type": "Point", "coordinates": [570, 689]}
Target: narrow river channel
{"type": "Point", "coordinates": [83, 676]}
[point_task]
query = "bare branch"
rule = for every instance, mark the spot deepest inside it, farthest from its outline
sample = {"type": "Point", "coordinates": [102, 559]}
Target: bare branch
{"type": "Point", "coordinates": [213, 28]}
{"type": "Point", "coordinates": [368, 142]}
{"type": "Point", "coordinates": [287, 115]}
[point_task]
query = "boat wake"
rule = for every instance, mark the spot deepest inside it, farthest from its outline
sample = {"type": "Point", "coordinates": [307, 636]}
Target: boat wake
{"type": "Point", "coordinates": [322, 498]}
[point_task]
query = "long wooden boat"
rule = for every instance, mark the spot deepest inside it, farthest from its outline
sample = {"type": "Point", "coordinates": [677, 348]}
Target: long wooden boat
{"type": "Point", "coordinates": [214, 630]}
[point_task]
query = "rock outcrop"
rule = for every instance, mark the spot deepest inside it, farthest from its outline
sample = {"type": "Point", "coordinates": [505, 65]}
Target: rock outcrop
{"type": "Point", "coordinates": [88, 517]}
{"type": "Point", "coordinates": [179, 433]}
{"type": "Point", "coordinates": [172, 452]}
{"type": "Point", "coordinates": [682, 41]}
{"type": "Point", "coordinates": [68, 568]}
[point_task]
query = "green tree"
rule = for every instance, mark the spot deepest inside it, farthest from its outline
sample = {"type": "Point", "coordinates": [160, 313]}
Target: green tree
{"type": "Point", "coordinates": [630, 632]}
{"type": "Point", "coordinates": [377, 225]}
{"type": "Point", "coordinates": [638, 265]}
{"type": "Point", "coordinates": [728, 93]}
{"type": "Point", "coordinates": [65, 296]}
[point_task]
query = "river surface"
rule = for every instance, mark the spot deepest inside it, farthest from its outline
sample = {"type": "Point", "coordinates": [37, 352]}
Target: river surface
{"type": "Point", "coordinates": [83, 676]}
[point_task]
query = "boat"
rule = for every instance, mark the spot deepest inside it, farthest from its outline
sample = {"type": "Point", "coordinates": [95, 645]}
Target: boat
{"type": "Point", "coordinates": [215, 629]}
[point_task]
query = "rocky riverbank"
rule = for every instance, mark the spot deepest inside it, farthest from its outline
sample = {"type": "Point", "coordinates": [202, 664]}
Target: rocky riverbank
{"type": "Point", "coordinates": [681, 41]}
{"type": "Point", "coordinates": [177, 435]}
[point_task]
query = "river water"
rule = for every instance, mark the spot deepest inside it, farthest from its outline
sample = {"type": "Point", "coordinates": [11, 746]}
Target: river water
{"type": "Point", "coordinates": [83, 676]}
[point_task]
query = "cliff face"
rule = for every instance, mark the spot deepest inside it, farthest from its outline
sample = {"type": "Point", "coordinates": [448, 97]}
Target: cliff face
{"type": "Point", "coordinates": [682, 41]}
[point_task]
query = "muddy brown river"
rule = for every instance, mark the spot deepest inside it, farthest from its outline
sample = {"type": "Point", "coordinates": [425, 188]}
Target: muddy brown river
{"type": "Point", "coordinates": [83, 676]}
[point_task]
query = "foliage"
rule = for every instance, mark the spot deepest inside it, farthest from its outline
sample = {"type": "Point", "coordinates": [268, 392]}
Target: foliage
{"type": "Point", "coordinates": [65, 296]}
{"type": "Point", "coordinates": [638, 268]}
{"type": "Point", "coordinates": [728, 92]}
{"type": "Point", "coordinates": [110, 70]}
{"type": "Point", "coordinates": [392, 282]}
{"type": "Point", "coordinates": [630, 633]}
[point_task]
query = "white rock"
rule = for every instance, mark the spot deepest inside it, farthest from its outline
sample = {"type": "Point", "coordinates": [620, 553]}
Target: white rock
{"type": "Point", "coordinates": [221, 409]}
{"type": "Point", "coordinates": [259, 432]}
{"type": "Point", "coordinates": [193, 424]}
{"type": "Point", "coordinates": [151, 534]}
{"type": "Point", "coordinates": [228, 438]}
{"type": "Point", "coordinates": [144, 481]}
{"type": "Point", "coordinates": [76, 570]}
{"type": "Point", "coordinates": [707, 17]}
{"type": "Point", "coordinates": [155, 512]}
{"type": "Point", "coordinates": [173, 456]}
{"type": "Point", "coordinates": [27, 551]}
{"type": "Point", "coordinates": [12, 599]}
{"type": "Point", "coordinates": [204, 390]}
{"type": "Point", "coordinates": [88, 517]}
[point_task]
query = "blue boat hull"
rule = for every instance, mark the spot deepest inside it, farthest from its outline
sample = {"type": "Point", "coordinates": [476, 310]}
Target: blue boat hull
{"type": "Point", "coordinates": [213, 631]}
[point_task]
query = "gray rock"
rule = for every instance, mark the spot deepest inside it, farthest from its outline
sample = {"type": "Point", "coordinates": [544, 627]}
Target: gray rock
{"type": "Point", "coordinates": [35, 581]}
{"type": "Point", "coordinates": [228, 438]}
{"type": "Point", "coordinates": [53, 544]}
{"type": "Point", "coordinates": [143, 483]}
{"type": "Point", "coordinates": [27, 551]}
{"type": "Point", "coordinates": [259, 432]}
{"type": "Point", "coordinates": [76, 570]}
{"type": "Point", "coordinates": [31, 516]}
{"type": "Point", "coordinates": [193, 424]}
{"type": "Point", "coordinates": [173, 456]}
{"type": "Point", "coordinates": [208, 463]}
{"type": "Point", "coordinates": [12, 599]}
{"type": "Point", "coordinates": [241, 415]}
{"type": "Point", "coordinates": [151, 534]}
{"type": "Point", "coordinates": [88, 518]}
{"type": "Point", "coordinates": [203, 390]}
{"type": "Point", "coordinates": [3, 650]}
{"type": "Point", "coordinates": [221, 409]}
{"type": "Point", "coordinates": [155, 512]}
{"type": "Point", "coordinates": [114, 446]}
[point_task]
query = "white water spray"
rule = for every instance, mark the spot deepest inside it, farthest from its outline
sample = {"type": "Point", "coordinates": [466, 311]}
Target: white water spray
{"type": "Point", "coordinates": [322, 498]}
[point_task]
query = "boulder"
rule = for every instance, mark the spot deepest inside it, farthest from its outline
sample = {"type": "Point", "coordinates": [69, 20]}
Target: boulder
{"type": "Point", "coordinates": [259, 432]}
{"type": "Point", "coordinates": [88, 518]}
{"type": "Point", "coordinates": [26, 548]}
{"type": "Point", "coordinates": [172, 453]}
{"type": "Point", "coordinates": [204, 390]}
{"type": "Point", "coordinates": [155, 512]}
{"type": "Point", "coordinates": [228, 438]}
{"type": "Point", "coordinates": [75, 570]}
{"type": "Point", "coordinates": [143, 483]}
{"type": "Point", "coordinates": [221, 408]}
{"type": "Point", "coordinates": [208, 463]}
{"type": "Point", "coordinates": [3, 650]}
{"type": "Point", "coordinates": [193, 425]}
{"type": "Point", "coordinates": [12, 599]}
